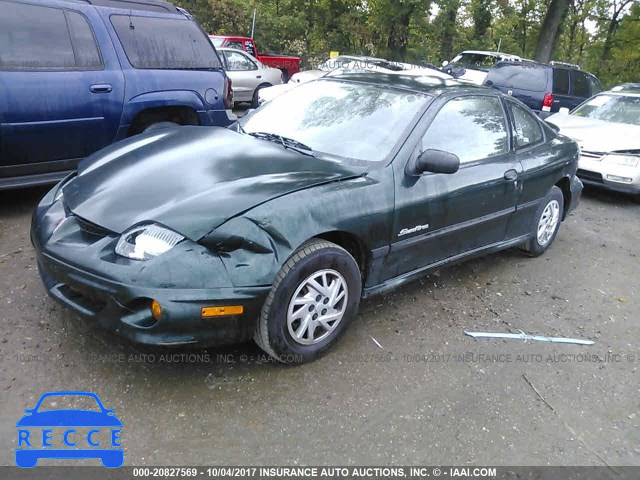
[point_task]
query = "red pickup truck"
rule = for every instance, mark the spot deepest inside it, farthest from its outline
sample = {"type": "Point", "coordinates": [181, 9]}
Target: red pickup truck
{"type": "Point", "coordinates": [289, 65]}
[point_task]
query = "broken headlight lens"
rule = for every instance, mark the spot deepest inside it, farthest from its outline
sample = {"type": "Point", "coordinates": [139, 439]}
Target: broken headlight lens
{"type": "Point", "coordinates": [145, 242]}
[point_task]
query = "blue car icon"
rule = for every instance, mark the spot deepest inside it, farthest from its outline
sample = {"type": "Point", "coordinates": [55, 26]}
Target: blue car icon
{"type": "Point", "coordinates": [35, 433]}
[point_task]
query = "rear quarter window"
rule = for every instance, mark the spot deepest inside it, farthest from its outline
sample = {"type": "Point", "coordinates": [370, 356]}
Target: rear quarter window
{"type": "Point", "coordinates": [519, 77]}
{"type": "Point", "coordinates": [164, 43]}
{"type": "Point", "coordinates": [581, 87]}
{"type": "Point", "coordinates": [560, 81]}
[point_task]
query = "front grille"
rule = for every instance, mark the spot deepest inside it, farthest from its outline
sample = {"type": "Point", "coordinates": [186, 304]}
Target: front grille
{"type": "Point", "coordinates": [590, 176]}
{"type": "Point", "coordinates": [593, 155]}
{"type": "Point", "coordinates": [91, 228]}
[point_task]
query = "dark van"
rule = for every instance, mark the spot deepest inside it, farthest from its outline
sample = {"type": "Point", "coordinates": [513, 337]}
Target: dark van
{"type": "Point", "coordinates": [544, 88]}
{"type": "Point", "coordinates": [77, 75]}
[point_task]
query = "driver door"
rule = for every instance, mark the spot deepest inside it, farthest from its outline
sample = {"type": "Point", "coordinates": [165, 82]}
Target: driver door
{"type": "Point", "coordinates": [442, 217]}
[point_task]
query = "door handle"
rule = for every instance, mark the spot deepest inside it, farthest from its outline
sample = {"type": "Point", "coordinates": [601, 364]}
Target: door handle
{"type": "Point", "coordinates": [101, 88]}
{"type": "Point", "coordinates": [258, 76]}
{"type": "Point", "coordinates": [511, 175]}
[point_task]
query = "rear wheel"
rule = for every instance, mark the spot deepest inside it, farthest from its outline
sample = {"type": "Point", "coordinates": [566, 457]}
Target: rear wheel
{"type": "Point", "coordinates": [546, 223]}
{"type": "Point", "coordinates": [314, 297]}
{"type": "Point", "coordinates": [160, 126]}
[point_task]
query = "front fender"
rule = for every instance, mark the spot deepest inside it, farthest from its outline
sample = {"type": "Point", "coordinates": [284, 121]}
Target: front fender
{"type": "Point", "coordinates": [255, 246]}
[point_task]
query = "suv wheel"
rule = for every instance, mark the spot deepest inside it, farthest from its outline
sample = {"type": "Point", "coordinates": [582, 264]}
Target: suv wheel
{"type": "Point", "coordinates": [314, 297]}
{"type": "Point", "coordinates": [160, 126]}
{"type": "Point", "coordinates": [546, 223]}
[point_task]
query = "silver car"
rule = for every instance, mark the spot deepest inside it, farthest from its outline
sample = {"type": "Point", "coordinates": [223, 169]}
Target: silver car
{"type": "Point", "coordinates": [248, 75]}
{"type": "Point", "coordinates": [607, 128]}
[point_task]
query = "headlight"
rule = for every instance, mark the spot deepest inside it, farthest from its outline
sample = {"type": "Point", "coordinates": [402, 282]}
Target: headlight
{"type": "Point", "coordinates": [622, 159]}
{"type": "Point", "coordinates": [145, 242]}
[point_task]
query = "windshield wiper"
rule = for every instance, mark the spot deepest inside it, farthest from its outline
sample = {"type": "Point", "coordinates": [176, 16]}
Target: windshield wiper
{"type": "Point", "coordinates": [287, 143]}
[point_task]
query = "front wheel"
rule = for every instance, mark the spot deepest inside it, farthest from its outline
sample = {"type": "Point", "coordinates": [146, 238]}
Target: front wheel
{"type": "Point", "coordinates": [314, 297]}
{"type": "Point", "coordinates": [546, 223]}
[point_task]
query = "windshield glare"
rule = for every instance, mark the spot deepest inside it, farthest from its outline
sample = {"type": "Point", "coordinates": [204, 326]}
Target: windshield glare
{"type": "Point", "coordinates": [611, 108]}
{"type": "Point", "coordinates": [362, 122]}
{"type": "Point", "coordinates": [217, 42]}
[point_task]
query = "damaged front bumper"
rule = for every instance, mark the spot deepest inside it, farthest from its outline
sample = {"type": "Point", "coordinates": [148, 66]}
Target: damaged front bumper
{"type": "Point", "coordinates": [80, 269]}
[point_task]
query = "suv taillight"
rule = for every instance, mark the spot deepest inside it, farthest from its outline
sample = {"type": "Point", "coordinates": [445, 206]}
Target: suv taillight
{"type": "Point", "coordinates": [547, 102]}
{"type": "Point", "coordinates": [228, 94]}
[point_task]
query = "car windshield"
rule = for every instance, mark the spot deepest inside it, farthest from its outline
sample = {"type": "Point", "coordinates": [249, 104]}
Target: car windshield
{"type": "Point", "coordinates": [348, 120]}
{"type": "Point", "coordinates": [217, 42]}
{"type": "Point", "coordinates": [611, 108]}
{"type": "Point", "coordinates": [69, 402]}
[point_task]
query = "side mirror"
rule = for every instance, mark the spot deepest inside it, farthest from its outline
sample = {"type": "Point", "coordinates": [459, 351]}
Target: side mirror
{"type": "Point", "coordinates": [564, 111]}
{"type": "Point", "coordinates": [445, 63]}
{"type": "Point", "coordinates": [434, 161]}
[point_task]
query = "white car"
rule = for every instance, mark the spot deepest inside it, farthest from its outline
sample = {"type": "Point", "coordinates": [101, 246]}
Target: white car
{"type": "Point", "coordinates": [476, 64]}
{"type": "Point", "coordinates": [607, 128]}
{"type": "Point", "coordinates": [350, 63]}
{"type": "Point", "coordinates": [248, 75]}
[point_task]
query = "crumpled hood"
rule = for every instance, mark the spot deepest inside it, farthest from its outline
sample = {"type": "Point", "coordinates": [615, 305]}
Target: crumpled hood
{"type": "Point", "coordinates": [597, 135]}
{"type": "Point", "coordinates": [190, 179]}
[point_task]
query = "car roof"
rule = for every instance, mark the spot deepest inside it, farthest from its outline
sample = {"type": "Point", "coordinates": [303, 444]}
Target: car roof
{"type": "Point", "coordinates": [159, 6]}
{"type": "Point", "coordinates": [633, 88]}
{"type": "Point", "coordinates": [492, 54]}
{"type": "Point", "coordinates": [231, 49]}
{"type": "Point", "coordinates": [427, 84]}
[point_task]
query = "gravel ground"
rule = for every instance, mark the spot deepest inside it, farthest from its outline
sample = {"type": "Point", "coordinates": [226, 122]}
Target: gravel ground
{"type": "Point", "coordinates": [404, 386]}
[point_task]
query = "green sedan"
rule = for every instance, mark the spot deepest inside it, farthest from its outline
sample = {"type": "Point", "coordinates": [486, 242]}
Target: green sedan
{"type": "Point", "coordinates": [276, 227]}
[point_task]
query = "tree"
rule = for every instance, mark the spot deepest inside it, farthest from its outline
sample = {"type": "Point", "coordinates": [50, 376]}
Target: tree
{"type": "Point", "coordinates": [550, 31]}
{"type": "Point", "coordinates": [618, 7]}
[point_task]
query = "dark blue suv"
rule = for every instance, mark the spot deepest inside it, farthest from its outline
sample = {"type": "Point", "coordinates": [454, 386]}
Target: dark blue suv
{"type": "Point", "coordinates": [544, 88]}
{"type": "Point", "coordinates": [77, 75]}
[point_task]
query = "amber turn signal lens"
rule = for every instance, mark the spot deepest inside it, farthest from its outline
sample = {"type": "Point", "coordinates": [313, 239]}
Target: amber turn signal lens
{"type": "Point", "coordinates": [156, 310]}
{"type": "Point", "coordinates": [210, 312]}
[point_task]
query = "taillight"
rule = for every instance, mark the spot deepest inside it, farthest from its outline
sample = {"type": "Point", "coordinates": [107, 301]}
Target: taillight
{"type": "Point", "coordinates": [547, 102]}
{"type": "Point", "coordinates": [228, 94]}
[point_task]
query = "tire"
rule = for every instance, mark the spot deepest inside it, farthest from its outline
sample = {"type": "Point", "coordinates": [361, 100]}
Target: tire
{"type": "Point", "coordinates": [160, 126]}
{"type": "Point", "coordinates": [281, 319]}
{"type": "Point", "coordinates": [255, 103]}
{"type": "Point", "coordinates": [550, 213]}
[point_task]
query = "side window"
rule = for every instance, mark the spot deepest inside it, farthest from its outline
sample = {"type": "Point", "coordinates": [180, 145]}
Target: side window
{"type": "Point", "coordinates": [237, 61]}
{"type": "Point", "coordinates": [580, 84]}
{"type": "Point", "coordinates": [164, 43]}
{"type": "Point", "coordinates": [34, 38]}
{"type": "Point", "coordinates": [595, 85]}
{"type": "Point", "coordinates": [472, 128]}
{"type": "Point", "coordinates": [561, 81]}
{"type": "Point", "coordinates": [237, 44]}
{"type": "Point", "coordinates": [87, 53]}
{"type": "Point", "coordinates": [526, 128]}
